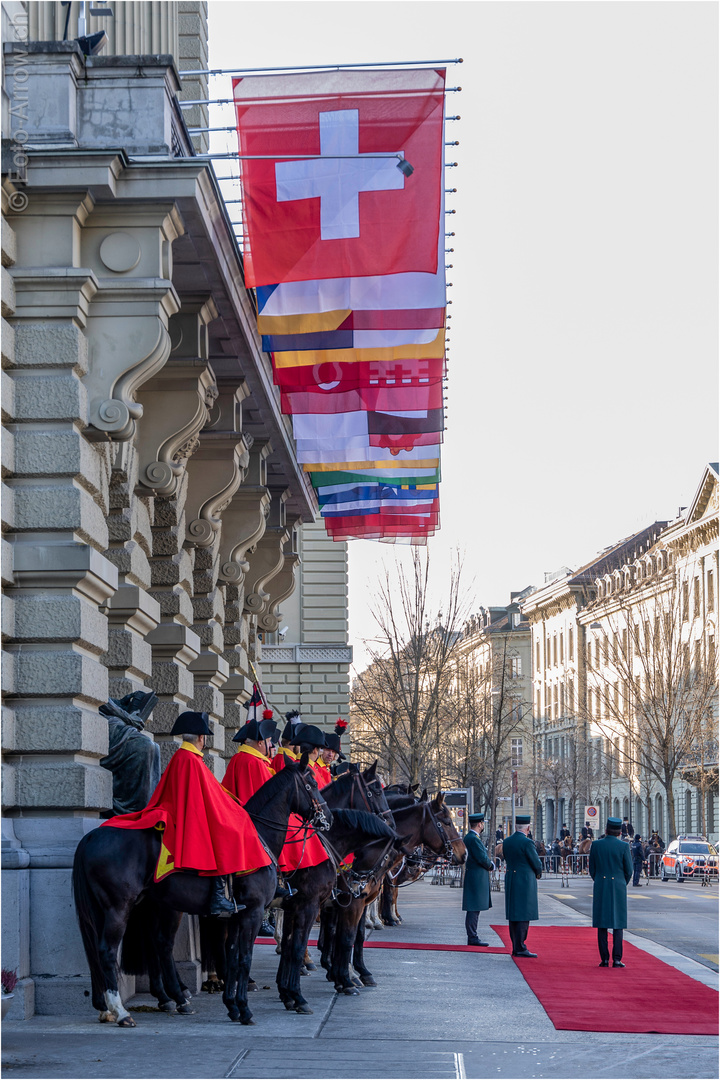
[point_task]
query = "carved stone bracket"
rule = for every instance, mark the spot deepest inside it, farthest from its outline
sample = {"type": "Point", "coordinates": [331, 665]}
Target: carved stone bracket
{"type": "Point", "coordinates": [176, 403]}
{"type": "Point", "coordinates": [280, 587]}
{"type": "Point", "coordinates": [218, 467]}
{"type": "Point", "coordinates": [130, 254]}
{"type": "Point", "coordinates": [245, 519]}
{"type": "Point", "coordinates": [268, 558]}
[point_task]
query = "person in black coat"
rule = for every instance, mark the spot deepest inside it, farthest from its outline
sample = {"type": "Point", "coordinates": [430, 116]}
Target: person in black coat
{"type": "Point", "coordinates": [587, 833]}
{"type": "Point", "coordinates": [564, 832]}
{"type": "Point", "coordinates": [638, 854]}
{"type": "Point", "coordinates": [557, 855]}
{"type": "Point", "coordinates": [626, 829]}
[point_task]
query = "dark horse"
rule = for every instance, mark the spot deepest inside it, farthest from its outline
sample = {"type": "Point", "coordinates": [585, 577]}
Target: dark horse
{"type": "Point", "coordinates": [343, 928]}
{"type": "Point", "coordinates": [313, 886]}
{"type": "Point", "coordinates": [113, 873]}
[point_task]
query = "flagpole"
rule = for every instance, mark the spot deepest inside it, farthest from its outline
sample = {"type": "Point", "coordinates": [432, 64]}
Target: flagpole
{"type": "Point", "coordinates": [318, 67]}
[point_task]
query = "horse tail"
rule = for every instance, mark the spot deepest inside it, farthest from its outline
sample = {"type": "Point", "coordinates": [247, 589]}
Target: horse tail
{"type": "Point", "coordinates": [138, 943]}
{"type": "Point", "coordinates": [89, 914]}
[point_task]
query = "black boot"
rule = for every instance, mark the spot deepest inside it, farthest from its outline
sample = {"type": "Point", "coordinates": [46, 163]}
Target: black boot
{"type": "Point", "coordinates": [283, 891]}
{"type": "Point", "coordinates": [219, 903]}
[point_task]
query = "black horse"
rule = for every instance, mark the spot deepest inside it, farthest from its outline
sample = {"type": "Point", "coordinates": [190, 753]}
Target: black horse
{"type": "Point", "coordinates": [113, 873]}
{"type": "Point", "coordinates": [343, 927]}
{"type": "Point", "coordinates": [313, 886]}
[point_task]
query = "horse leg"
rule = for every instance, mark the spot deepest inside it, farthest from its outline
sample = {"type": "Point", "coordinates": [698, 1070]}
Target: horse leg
{"type": "Point", "coordinates": [386, 913]}
{"type": "Point", "coordinates": [329, 922]}
{"type": "Point", "coordinates": [344, 941]}
{"type": "Point", "coordinates": [359, 956]}
{"type": "Point", "coordinates": [282, 977]}
{"type": "Point", "coordinates": [279, 916]}
{"type": "Point", "coordinates": [302, 925]}
{"type": "Point", "coordinates": [396, 913]}
{"type": "Point", "coordinates": [108, 945]}
{"type": "Point", "coordinates": [167, 928]}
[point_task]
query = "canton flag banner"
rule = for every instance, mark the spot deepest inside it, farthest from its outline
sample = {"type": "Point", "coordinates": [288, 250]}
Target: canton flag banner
{"type": "Point", "coordinates": [428, 454]}
{"type": "Point", "coordinates": [434, 350]}
{"type": "Point", "coordinates": [392, 399]}
{"type": "Point", "coordinates": [340, 375]}
{"type": "Point", "coordinates": [344, 338]}
{"type": "Point", "coordinates": [342, 208]}
{"type": "Point", "coordinates": [321, 480]}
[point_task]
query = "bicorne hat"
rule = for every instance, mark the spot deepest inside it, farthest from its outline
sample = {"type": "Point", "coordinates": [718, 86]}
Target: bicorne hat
{"type": "Point", "coordinates": [294, 721]}
{"type": "Point", "coordinates": [309, 735]}
{"type": "Point", "coordinates": [332, 741]}
{"type": "Point", "coordinates": [192, 723]}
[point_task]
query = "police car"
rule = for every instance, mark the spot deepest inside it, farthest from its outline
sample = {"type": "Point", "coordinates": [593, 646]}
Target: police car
{"type": "Point", "coordinates": [687, 857]}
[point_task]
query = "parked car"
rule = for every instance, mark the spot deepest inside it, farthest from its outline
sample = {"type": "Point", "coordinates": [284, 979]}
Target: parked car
{"type": "Point", "coordinates": [687, 857]}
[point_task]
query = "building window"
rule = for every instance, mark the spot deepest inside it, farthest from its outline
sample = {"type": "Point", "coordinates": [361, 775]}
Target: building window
{"type": "Point", "coordinates": [710, 589]}
{"type": "Point", "coordinates": [589, 654]}
{"type": "Point", "coordinates": [520, 801]}
{"type": "Point", "coordinates": [515, 667]}
{"type": "Point", "coordinates": [537, 704]}
{"type": "Point", "coordinates": [685, 601]}
{"type": "Point", "coordinates": [555, 658]}
{"type": "Point", "coordinates": [710, 813]}
{"type": "Point", "coordinates": [571, 644]}
{"type": "Point", "coordinates": [696, 598]}
{"type": "Point", "coordinates": [537, 655]}
{"type": "Point", "coordinates": [562, 700]}
{"type": "Point", "coordinates": [516, 751]}
{"type": "Point", "coordinates": [571, 697]}
{"type": "Point", "coordinates": [562, 648]}
{"type": "Point", "coordinates": [597, 653]}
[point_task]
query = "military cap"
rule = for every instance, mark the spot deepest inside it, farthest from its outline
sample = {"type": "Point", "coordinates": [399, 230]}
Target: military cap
{"type": "Point", "coordinates": [332, 741]}
{"type": "Point", "coordinates": [472, 818]}
{"type": "Point", "coordinates": [522, 819]}
{"type": "Point", "coordinates": [192, 723]}
{"type": "Point", "coordinates": [310, 736]}
{"type": "Point", "coordinates": [614, 824]}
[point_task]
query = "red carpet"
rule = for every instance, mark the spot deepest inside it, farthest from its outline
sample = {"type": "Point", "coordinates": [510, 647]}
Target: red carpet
{"type": "Point", "coordinates": [646, 996]}
{"type": "Point", "coordinates": [405, 945]}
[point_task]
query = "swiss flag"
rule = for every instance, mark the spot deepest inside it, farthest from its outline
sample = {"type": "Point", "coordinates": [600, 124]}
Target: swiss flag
{"type": "Point", "coordinates": [346, 210]}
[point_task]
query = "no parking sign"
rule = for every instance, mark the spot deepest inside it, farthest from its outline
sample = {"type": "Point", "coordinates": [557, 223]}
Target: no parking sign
{"type": "Point", "coordinates": [592, 816]}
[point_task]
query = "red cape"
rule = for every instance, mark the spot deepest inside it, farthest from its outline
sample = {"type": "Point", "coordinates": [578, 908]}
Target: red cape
{"type": "Point", "coordinates": [204, 828]}
{"type": "Point", "coordinates": [324, 776]}
{"type": "Point", "coordinates": [246, 772]}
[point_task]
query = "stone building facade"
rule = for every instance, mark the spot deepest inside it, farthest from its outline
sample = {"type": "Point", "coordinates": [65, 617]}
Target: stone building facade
{"type": "Point", "coordinates": [577, 620]}
{"type": "Point", "coordinates": [152, 504]}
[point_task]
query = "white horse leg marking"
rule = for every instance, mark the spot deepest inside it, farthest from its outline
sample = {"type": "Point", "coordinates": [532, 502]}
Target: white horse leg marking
{"type": "Point", "coordinates": [115, 1005]}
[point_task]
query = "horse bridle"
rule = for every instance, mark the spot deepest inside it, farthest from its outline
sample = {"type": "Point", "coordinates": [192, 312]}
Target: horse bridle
{"type": "Point", "coordinates": [365, 788]}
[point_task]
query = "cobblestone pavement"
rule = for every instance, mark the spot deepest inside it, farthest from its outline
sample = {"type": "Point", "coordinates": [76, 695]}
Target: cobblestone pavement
{"type": "Point", "coordinates": [432, 1015]}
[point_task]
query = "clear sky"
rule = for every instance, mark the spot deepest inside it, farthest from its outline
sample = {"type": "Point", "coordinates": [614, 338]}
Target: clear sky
{"type": "Point", "coordinates": [583, 352]}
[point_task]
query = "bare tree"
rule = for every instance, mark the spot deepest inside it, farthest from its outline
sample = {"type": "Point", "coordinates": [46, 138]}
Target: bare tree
{"type": "Point", "coordinates": [652, 685]}
{"type": "Point", "coordinates": [399, 700]}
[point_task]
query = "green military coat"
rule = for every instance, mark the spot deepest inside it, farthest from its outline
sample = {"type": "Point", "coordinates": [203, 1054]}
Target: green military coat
{"type": "Point", "coordinates": [476, 887]}
{"type": "Point", "coordinates": [611, 870]}
{"type": "Point", "coordinates": [523, 868]}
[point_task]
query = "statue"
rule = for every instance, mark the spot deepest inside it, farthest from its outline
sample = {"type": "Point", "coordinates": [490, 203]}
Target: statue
{"type": "Point", "coordinates": [133, 759]}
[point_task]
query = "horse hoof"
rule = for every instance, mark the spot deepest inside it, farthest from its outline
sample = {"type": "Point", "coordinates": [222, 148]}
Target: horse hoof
{"type": "Point", "coordinates": [249, 1022]}
{"type": "Point", "coordinates": [304, 971]}
{"type": "Point", "coordinates": [350, 991]}
{"type": "Point", "coordinates": [358, 983]}
{"type": "Point", "coordinates": [304, 1010]}
{"type": "Point", "coordinates": [311, 966]}
{"type": "Point", "coordinates": [252, 985]}
{"type": "Point", "coordinates": [127, 1021]}
{"type": "Point", "coordinates": [367, 980]}
{"type": "Point", "coordinates": [289, 1005]}
{"type": "Point", "coordinates": [185, 1010]}
{"type": "Point", "coordinates": [106, 1018]}
{"type": "Point", "coordinates": [167, 1007]}
{"type": "Point", "coordinates": [188, 996]}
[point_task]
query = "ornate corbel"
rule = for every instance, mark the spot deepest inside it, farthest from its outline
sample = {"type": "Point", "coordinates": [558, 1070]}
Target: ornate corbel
{"type": "Point", "coordinates": [178, 402]}
{"type": "Point", "coordinates": [281, 586]}
{"type": "Point", "coordinates": [268, 557]}
{"type": "Point", "coordinates": [218, 467]}
{"type": "Point", "coordinates": [245, 518]}
{"type": "Point", "coordinates": [129, 251]}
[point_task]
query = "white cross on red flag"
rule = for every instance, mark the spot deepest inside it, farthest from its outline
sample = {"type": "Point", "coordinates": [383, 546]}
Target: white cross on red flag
{"type": "Point", "coordinates": [345, 210]}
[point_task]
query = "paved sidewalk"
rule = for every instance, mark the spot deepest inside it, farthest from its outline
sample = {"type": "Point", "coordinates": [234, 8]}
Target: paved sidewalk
{"type": "Point", "coordinates": [432, 1015]}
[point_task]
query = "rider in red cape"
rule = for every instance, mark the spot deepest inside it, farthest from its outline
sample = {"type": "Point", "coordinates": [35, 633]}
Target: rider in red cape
{"type": "Point", "coordinates": [204, 828]}
{"type": "Point", "coordinates": [250, 768]}
{"type": "Point", "coordinates": [288, 750]}
{"type": "Point", "coordinates": [304, 849]}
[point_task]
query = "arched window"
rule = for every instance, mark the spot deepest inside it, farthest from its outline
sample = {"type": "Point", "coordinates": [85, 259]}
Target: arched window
{"type": "Point", "coordinates": [607, 812]}
{"type": "Point", "coordinates": [710, 813]}
{"type": "Point", "coordinates": [638, 822]}
{"type": "Point", "coordinates": [626, 807]}
{"type": "Point", "coordinates": [659, 823]}
{"type": "Point", "coordinates": [688, 812]}
{"type": "Point", "coordinates": [616, 808]}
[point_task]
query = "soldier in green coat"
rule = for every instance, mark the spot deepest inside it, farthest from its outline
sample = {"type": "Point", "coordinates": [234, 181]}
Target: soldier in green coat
{"type": "Point", "coordinates": [611, 869]}
{"type": "Point", "coordinates": [522, 873]}
{"type": "Point", "coordinates": [476, 886]}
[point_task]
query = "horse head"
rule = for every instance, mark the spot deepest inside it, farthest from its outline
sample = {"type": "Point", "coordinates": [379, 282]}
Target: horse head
{"type": "Point", "coordinates": [443, 819]}
{"type": "Point", "coordinates": [315, 810]}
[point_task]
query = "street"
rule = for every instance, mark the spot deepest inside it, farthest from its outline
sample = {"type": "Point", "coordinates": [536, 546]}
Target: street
{"type": "Point", "coordinates": [434, 1014]}
{"type": "Point", "coordinates": [684, 917]}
